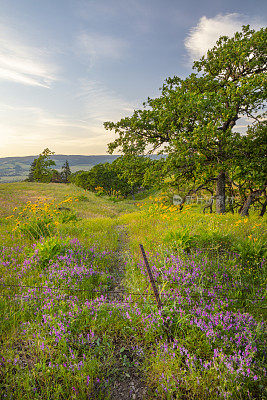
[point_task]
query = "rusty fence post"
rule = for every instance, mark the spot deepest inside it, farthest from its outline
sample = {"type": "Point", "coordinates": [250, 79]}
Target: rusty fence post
{"type": "Point", "coordinates": [151, 278]}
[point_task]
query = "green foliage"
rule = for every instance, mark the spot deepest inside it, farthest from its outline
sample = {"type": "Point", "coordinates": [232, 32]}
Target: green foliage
{"type": "Point", "coordinates": [40, 170]}
{"type": "Point", "coordinates": [205, 240]}
{"type": "Point", "coordinates": [252, 251]}
{"type": "Point", "coordinates": [215, 240]}
{"type": "Point", "coordinates": [67, 215]}
{"type": "Point", "coordinates": [251, 168]}
{"type": "Point", "coordinates": [55, 176]}
{"type": "Point", "coordinates": [66, 172]}
{"type": "Point", "coordinates": [110, 339]}
{"type": "Point", "coordinates": [31, 171]}
{"type": "Point", "coordinates": [35, 228]}
{"type": "Point", "coordinates": [179, 240]}
{"type": "Point", "coordinates": [105, 176]}
{"type": "Point", "coordinates": [132, 170]}
{"type": "Point", "coordinates": [50, 247]}
{"type": "Point", "coordinates": [79, 178]}
{"type": "Point", "coordinates": [82, 198]}
{"type": "Point", "coordinates": [193, 119]}
{"type": "Point", "coordinates": [124, 176]}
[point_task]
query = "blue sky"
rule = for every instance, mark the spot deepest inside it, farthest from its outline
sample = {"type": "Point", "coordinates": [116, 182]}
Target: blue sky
{"type": "Point", "coordinates": [66, 66]}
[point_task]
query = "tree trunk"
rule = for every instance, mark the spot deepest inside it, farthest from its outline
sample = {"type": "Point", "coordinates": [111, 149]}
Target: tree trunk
{"type": "Point", "coordinates": [220, 193]}
{"type": "Point", "coordinates": [246, 205]}
{"type": "Point", "coordinates": [250, 199]}
{"type": "Point", "coordinates": [263, 208]}
{"type": "Point", "coordinates": [243, 199]}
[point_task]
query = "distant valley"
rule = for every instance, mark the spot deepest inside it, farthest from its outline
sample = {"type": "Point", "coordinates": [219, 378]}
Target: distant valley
{"type": "Point", "coordinates": [13, 169]}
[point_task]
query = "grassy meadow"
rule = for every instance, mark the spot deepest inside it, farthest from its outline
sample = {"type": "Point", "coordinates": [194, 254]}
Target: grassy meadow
{"type": "Point", "coordinates": [78, 316]}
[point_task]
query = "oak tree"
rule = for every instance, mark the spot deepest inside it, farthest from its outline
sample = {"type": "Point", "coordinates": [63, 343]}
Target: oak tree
{"type": "Point", "coordinates": [193, 119]}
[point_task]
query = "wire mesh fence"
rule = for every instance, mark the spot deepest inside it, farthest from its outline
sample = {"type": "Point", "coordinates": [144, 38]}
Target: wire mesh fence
{"type": "Point", "coordinates": [157, 296]}
{"type": "Point", "coordinates": [163, 294]}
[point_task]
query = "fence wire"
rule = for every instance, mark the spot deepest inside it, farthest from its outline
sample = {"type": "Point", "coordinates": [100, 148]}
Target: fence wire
{"type": "Point", "coordinates": [121, 291]}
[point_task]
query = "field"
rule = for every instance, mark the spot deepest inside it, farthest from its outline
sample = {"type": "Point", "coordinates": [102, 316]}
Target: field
{"type": "Point", "coordinates": [78, 316]}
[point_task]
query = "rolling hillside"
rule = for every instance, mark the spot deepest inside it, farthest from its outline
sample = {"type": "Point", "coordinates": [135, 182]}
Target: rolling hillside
{"type": "Point", "coordinates": [14, 169]}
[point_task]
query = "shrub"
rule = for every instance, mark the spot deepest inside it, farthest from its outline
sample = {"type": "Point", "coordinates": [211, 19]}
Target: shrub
{"type": "Point", "coordinates": [252, 251]}
{"type": "Point", "coordinates": [179, 240]}
{"type": "Point", "coordinates": [82, 198]}
{"type": "Point", "coordinates": [36, 228]}
{"type": "Point", "coordinates": [67, 215]}
{"type": "Point", "coordinates": [40, 219]}
{"type": "Point", "coordinates": [51, 247]}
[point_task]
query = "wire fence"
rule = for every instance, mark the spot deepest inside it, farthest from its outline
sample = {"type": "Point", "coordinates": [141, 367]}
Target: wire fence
{"type": "Point", "coordinates": [173, 293]}
{"type": "Point", "coordinates": [164, 294]}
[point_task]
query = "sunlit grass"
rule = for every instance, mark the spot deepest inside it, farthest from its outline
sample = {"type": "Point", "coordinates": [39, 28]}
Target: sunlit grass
{"type": "Point", "coordinates": [60, 343]}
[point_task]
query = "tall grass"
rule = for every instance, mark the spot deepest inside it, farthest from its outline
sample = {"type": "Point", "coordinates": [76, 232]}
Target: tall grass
{"type": "Point", "coordinates": [65, 333]}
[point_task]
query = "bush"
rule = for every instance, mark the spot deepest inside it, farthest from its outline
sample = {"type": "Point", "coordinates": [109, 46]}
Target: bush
{"type": "Point", "coordinates": [252, 251]}
{"type": "Point", "coordinates": [49, 248]}
{"type": "Point", "coordinates": [40, 219]}
{"type": "Point", "coordinates": [67, 215]}
{"type": "Point", "coordinates": [37, 228]}
{"type": "Point", "coordinates": [179, 240]}
{"type": "Point", "coordinates": [82, 198]}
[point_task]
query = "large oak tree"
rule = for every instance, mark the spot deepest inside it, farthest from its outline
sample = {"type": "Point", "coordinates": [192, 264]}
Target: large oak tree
{"type": "Point", "coordinates": [192, 120]}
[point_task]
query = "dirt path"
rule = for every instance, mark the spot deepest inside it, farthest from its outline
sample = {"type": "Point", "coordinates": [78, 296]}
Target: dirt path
{"type": "Point", "coordinates": [118, 291]}
{"type": "Point", "coordinates": [128, 383]}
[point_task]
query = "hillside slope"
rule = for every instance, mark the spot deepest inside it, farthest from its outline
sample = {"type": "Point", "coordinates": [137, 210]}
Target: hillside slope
{"type": "Point", "coordinates": [78, 316]}
{"type": "Point", "coordinates": [17, 168]}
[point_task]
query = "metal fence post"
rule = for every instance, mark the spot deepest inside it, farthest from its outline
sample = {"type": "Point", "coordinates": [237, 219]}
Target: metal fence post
{"type": "Point", "coordinates": [151, 278]}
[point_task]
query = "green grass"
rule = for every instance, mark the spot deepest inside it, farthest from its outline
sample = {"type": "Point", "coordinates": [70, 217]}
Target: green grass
{"type": "Point", "coordinates": [129, 339]}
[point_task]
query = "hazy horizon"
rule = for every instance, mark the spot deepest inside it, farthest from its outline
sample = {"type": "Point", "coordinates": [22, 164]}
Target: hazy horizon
{"type": "Point", "coordinates": [66, 66]}
{"type": "Point", "coordinates": [61, 154]}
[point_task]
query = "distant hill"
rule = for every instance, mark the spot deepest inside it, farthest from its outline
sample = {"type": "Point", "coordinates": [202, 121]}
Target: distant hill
{"type": "Point", "coordinates": [14, 169]}
{"type": "Point", "coordinates": [17, 168]}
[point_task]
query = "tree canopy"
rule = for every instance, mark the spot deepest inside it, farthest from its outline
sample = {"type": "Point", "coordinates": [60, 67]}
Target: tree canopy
{"type": "Point", "coordinates": [192, 120]}
{"type": "Point", "coordinates": [124, 176]}
{"type": "Point", "coordinates": [65, 172]}
{"type": "Point", "coordinates": [40, 170]}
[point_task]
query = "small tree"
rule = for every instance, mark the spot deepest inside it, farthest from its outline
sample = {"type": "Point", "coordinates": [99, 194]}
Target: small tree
{"type": "Point", "coordinates": [31, 171]}
{"type": "Point", "coordinates": [66, 172]}
{"type": "Point", "coordinates": [80, 178]}
{"type": "Point", "coordinates": [105, 176]}
{"type": "Point", "coordinates": [40, 170]}
{"type": "Point", "coordinates": [56, 176]}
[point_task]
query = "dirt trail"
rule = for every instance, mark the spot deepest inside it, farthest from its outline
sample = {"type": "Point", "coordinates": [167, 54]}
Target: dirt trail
{"type": "Point", "coordinates": [128, 383]}
{"type": "Point", "coordinates": [118, 291]}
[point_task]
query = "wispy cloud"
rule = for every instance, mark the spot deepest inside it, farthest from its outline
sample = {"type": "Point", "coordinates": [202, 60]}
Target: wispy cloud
{"type": "Point", "coordinates": [22, 63]}
{"type": "Point", "coordinates": [29, 129]}
{"type": "Point", "coordinates": [102, 104]}
{"type": "Point", "coordinates": [208, 30]}
{"type": "Point", "coordinates": [99, 104]}
{"type": "Point", "coordinates": [98, 46]}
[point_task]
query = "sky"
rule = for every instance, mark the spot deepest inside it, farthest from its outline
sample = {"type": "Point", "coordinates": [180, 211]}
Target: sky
{"type": "Point", "coordinates": [66, 66]}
